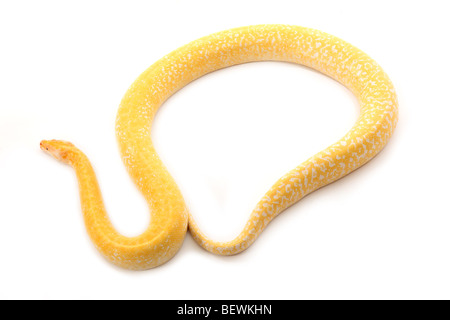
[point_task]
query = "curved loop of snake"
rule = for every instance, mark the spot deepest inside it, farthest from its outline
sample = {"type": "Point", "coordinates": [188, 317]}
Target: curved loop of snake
{"type": "Point", "coordinates": [169, 216]}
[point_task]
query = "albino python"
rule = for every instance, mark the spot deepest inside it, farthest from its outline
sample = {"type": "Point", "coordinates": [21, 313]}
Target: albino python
{"type": "Point", "coordinates": [169, 215]}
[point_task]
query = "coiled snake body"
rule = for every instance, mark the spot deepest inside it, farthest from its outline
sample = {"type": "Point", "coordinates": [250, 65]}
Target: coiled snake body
{"type": "Point", "coordinates": [169, 215]}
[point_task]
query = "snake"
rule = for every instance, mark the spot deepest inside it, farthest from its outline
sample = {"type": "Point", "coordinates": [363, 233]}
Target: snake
{"type": "Point", "coordinates": [170, 217]}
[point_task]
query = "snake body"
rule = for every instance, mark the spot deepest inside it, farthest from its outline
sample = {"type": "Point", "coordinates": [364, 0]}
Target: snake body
{"type": "Point", "coordinates": [169, 215]}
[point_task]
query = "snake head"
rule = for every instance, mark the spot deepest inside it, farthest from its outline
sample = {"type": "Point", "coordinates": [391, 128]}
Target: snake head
{"type": "Point", "coordinates": [61, 150]}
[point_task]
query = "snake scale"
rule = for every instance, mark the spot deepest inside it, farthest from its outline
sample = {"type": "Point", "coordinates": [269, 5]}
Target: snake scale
{"type": "Point", "coordinates": [170, 218]}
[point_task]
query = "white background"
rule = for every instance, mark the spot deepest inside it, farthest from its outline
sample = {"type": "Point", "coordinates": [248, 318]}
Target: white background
{"type": "Point", "coordinates": [381, 232]}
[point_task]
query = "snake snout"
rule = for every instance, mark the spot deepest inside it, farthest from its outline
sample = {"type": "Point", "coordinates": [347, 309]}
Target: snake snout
{"type": "Point", "coordinates": [58, 149]}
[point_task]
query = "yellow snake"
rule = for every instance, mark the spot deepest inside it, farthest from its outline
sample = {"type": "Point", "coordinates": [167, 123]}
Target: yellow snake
{"type": "Point", "coordinates": [169, 215]}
